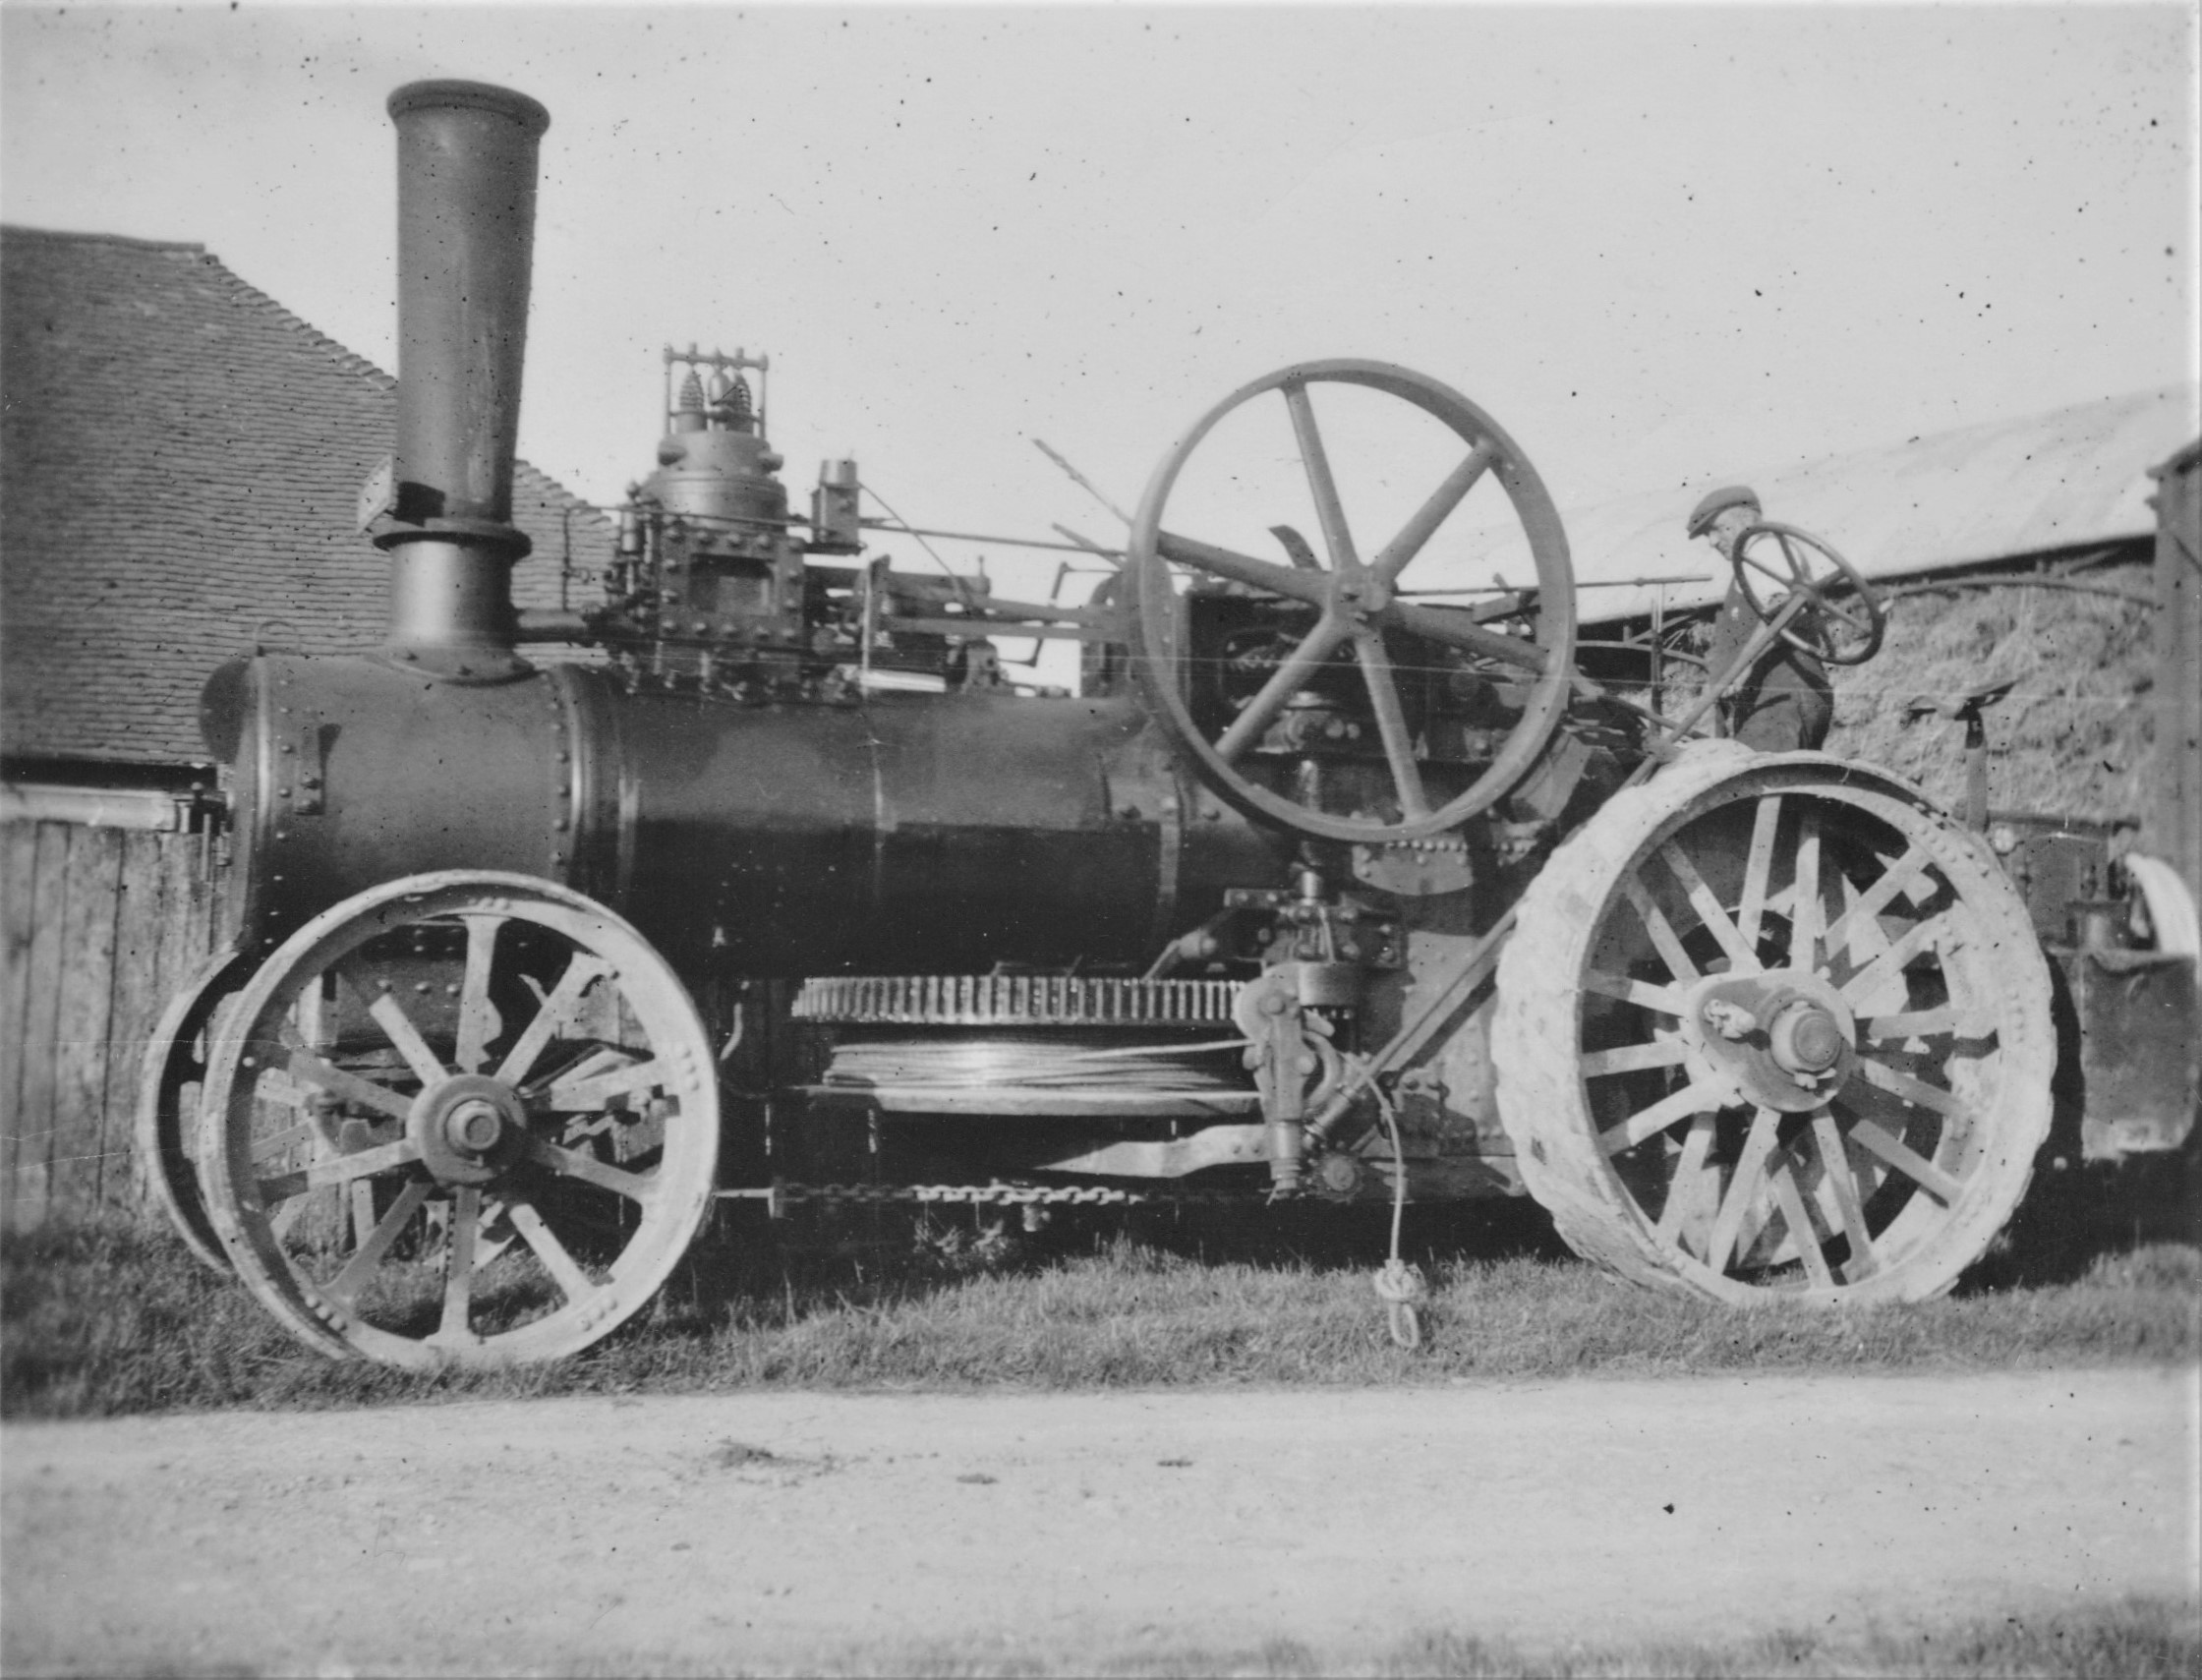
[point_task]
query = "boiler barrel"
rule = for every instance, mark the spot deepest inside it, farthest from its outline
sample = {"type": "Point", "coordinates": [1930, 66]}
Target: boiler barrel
{"type": "Point", "coordinates": [904, 834]}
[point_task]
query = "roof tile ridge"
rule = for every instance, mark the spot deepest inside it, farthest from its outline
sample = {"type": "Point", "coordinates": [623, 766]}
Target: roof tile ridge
{"type": "Point", "coordinates": [350, 360]}
{"type": "Point", "coordinates": [15, 230]}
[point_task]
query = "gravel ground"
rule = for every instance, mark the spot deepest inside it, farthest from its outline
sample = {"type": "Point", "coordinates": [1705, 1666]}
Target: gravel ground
{"type": "Point", "coordinates": [780, 1532]}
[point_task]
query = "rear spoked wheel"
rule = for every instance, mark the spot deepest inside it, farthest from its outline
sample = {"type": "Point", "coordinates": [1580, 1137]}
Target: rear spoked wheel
{"type": "Point", "coordinates": [465, 1118]}
{"type": "Point", "coordinates": [1775, 1027]}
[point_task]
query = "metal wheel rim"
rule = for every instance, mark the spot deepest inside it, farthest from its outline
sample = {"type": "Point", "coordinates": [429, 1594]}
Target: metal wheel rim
{"type": "Point", "coordinates": [171, 1082]}
{"type": "Point", "coordinates": [1910, 1169]}
{"type": "Point", "coordinates": [328, 1295]}
{"type": "Point", "coordinates": [1533, 506]}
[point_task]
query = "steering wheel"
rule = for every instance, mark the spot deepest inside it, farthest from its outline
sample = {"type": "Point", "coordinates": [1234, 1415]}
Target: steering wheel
{"type": "Point", "coordinates": [1357, 603]}
{"type": "Point", "coordinates": [1850, 631]}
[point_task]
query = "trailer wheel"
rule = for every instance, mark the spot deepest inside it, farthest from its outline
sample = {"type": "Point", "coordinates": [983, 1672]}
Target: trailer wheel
{"type": "Point", "coordinates": [1772, 1026]}
{"type": "Point", "coordinates": [460, 1119]}
{"type": "Point", "coordinates": [171, 1079]}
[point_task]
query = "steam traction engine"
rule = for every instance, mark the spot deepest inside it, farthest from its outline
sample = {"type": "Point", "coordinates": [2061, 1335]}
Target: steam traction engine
{"type": "Point", "coordinates": [1336, 878]}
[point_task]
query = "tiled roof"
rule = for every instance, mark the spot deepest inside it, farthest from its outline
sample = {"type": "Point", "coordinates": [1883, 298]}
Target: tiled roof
{"type": "Point", "coordinates": [2072, 477]}
{"type": "Point", "coordinates": [180, 466]}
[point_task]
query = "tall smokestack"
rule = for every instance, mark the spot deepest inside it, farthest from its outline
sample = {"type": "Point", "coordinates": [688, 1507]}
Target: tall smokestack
{"type": "Point", "coordinates": [466, 238]}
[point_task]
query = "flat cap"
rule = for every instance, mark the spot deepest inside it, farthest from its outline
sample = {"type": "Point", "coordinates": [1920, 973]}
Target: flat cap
{"type": "Point", "coordinates": [1714, 501]}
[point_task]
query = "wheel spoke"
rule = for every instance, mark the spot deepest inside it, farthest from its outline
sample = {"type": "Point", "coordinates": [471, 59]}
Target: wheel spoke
{"type": "Point", "coordinates": [1309, 587]}
{"type": "Point", "coordinates": [1897, 878]}
{"type": "Point", "coordinates": [1804, 897]}
{"type": "Point", "coordinates": [1690, 1099]}
{"type": "Point", "coordinates": [1393, 557]}
{"type": "Point", "coordinates": [1454, 628]}
{"type": "Point", "coordinates": [1662, 932]}
{"type": "Point", "coordinates": [600, 1089]}
{"type": "Point", "coordinates": [1915, 1091]}
{"type": "Point", "coordinates": [1320, 484]}
{"type": "Point", "coordinates": [1915, 1024]}
{"type": "Point", "coordinates": [1798, 1218]}
{"type": "Point", "coordinates": [564, 1270]}
{"type": "Point", "coordinates": [581, 974]}
{"type": "Point", "coordinates": [1906, 1160]}
{"type": "Point", "coordinates": [1686, 1188]}
{"type": "Point", "coordinates": [1838, 1175]}
{"type": "Point", "coordinates": [1742, 958]}
{"type": "Point", "coordinates": [580, 1164]}
{"type": "Point", "coordinates": [389, 1014]}
{"type": "Point", "coordinates": [458, 1266]}
{"type": "Point", "coordinates": [479, 1019]}
{"type": "Point", "coordinates": [1285, 681]}
{"type": "Point", "coordinates": [1758, 869]}
{"type": "Point", "coordinates": [301, 1064]}
{"type": "Point", "coordinates": [345, 1287]}
{"type": "Point", "coordinates": [338, 1170]}
{"type": "Point", "coordinates": [1667, 1000]}
{"type": "Point", "coordinates": [1743, 1189]}
{"type": "Point", "coordinates": [1632, 1058]}
{"type": "Point", "coordinates": [1391, 723]}
{"type": "Point", "coordinates": [1888, 968]}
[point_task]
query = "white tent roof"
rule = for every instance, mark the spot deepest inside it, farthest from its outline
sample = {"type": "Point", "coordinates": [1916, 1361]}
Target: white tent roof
{"type": "Point", "coordinates": [2074, 475]}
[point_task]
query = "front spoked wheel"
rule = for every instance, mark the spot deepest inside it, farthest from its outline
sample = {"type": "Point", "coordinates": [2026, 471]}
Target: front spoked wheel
{"type": "Point", "coordinates": [465, 1118]}
{"type": "Point", "coordinates": [1775, 1027]}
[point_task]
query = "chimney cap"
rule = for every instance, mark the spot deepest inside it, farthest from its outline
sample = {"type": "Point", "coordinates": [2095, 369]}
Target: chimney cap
{"type": "Point", "coordinates": [474, 96]}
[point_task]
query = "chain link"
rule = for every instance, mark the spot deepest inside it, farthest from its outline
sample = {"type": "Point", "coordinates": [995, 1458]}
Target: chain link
{"type": "Point", "coordinates": [996, 1194]}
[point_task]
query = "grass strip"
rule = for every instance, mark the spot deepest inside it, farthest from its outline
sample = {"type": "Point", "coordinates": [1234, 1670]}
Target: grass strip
{"type": "Point", "coordinates": [107, 1317]}
{"type": "Point", "coordinates": [2133, 1639]}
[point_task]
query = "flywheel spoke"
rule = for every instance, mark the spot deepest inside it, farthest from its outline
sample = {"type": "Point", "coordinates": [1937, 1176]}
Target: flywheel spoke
{"type": "Point", "coordinates": [1395, 555]}
{"type": "Point", "coordinates": [1285, 681]}
{"type": "Point", "coordinates": [1453, 627]}
{"type": "Point", "coordinates": [1391, 721]}
{"type": "Point", "coordinates": [1320, 484]}
{"type": "Point", "coordinates": [1309, 587]}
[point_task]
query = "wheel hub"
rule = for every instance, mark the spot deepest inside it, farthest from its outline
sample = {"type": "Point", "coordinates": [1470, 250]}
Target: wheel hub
{"type": "Point", "coordinates": [469, 1129]}
{"type": "Point", "coordinates": [1784, 1038]}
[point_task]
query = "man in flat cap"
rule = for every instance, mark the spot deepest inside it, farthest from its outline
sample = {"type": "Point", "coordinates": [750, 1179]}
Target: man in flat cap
{"type": "Point", "coordinates": [1783, 702]}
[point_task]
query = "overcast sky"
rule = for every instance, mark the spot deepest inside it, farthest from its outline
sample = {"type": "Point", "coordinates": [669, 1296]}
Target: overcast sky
{"type": "Point", "coordinates": [1661, 245]}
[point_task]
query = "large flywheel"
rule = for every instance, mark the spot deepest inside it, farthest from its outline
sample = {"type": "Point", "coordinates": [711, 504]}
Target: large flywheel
{"type": "Point", "coordinates": [1377, 628]}
{"type": "Point", "coordinates": [1772, 1025]}
{"type": "Point", "coordinates": [463, 1119]}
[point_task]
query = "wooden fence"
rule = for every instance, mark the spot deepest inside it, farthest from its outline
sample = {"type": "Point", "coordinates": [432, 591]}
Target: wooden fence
{"type": "Point", "coordinates": [103, 926]}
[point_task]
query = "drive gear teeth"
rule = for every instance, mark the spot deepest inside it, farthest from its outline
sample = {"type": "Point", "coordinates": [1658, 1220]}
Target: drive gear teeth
{"type": "Point", "coordinates": [1015, 1000]}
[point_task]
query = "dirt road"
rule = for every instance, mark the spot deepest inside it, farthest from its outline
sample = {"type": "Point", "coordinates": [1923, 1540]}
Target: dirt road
{"type": "Point", "coordinates": [776, 1531]}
